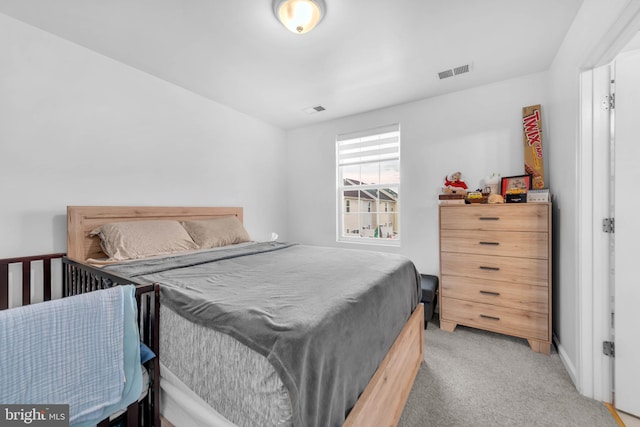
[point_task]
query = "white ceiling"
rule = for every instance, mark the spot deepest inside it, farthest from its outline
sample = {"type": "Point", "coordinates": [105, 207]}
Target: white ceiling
{"type": "Point", "coordinates": [364, 55]}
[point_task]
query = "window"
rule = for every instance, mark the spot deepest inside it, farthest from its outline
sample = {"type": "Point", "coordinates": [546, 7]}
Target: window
{"type": "Point", "coordinates": [368, 175]}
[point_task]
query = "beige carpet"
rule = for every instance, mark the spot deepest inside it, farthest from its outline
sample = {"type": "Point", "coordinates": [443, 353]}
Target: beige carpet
{"type": "Point", "coordinates": [476, 378]}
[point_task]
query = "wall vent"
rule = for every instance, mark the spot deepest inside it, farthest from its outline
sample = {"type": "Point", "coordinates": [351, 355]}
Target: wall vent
{"type": "Point", "coordinates": [445, 74]}
{"type": "Point", "coordinates": [461, 69]}
{"type": "Point", "coordinates": [454, 71]}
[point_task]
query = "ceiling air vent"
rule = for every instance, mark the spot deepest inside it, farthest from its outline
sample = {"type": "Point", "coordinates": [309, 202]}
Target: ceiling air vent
{"type": "Point", "coordinates": [454, 71]}
{"type": "Point", "coordinates": [313, 110]}
{"type": "Point", "coordinates": [461, 69]}
{"type": "Point", "coordinates": [445, 74]}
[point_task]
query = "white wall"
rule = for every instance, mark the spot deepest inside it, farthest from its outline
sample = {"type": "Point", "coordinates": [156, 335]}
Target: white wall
{"type": "Point", "coordinates": [77, 128]}
{"type": "Point", "coordinates": [476, 131]}
{"type": "Point", "coordinates": [585, 42]}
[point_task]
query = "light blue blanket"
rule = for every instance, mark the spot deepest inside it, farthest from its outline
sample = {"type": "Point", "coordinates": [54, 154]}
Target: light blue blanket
{"type": "Point", "coordinates": [81, 350]}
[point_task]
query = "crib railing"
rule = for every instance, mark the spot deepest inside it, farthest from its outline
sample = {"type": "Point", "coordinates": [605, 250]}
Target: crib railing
{"type": "Point", "coordinates": [78, 278]}
{"type": "Point", "coordinates": [26, 266]}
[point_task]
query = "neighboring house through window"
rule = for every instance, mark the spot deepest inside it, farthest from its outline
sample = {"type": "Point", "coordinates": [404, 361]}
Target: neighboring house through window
{"type": "Point", "coordinates": [368, 175]}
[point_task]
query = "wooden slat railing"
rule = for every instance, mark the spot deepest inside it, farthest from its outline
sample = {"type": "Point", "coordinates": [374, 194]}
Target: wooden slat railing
{"type": "Point", "coordinates": [26, 277]}
{"type": "Point", "coordinates": [80, 278]}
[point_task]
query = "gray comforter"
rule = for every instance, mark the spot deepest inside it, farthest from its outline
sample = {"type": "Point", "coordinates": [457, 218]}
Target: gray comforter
{"type": "Point", "coordinates": [323, 317]}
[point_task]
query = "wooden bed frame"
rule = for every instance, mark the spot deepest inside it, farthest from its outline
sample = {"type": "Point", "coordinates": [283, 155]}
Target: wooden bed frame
{"type": "Point", "coordinates": [382, 401]}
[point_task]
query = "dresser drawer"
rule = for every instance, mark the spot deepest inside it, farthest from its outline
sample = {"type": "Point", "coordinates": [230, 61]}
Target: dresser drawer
{"type": "Point", "coordinates": [497, 268]}
{"type": "Point", "coordinates": [512, 295]}
{"type": "Point", "coordinates": [499, 217]}
{"type": "Point", "coordinates": [525, 324]}
{"type": "Point", "coordinates": [502, 243]}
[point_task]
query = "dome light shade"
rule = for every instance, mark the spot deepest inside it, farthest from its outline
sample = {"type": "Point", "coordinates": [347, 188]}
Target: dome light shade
{"type": "Point", "coordinates": [299, 16]}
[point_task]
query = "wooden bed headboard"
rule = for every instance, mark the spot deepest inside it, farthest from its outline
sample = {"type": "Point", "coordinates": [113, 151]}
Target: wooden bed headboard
{"type": "Point", "coordinates": [81, 220]}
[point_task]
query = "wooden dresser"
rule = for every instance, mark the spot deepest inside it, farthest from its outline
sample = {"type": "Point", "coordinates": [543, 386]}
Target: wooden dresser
{"type": "Point", "coordinates": [495, 268]}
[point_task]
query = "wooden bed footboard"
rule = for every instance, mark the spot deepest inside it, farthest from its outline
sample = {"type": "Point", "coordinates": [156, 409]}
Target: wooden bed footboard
{"type": "Point", "coordinates": [78, 278]}
{"type": "Point", "coordinates": [382, 402]}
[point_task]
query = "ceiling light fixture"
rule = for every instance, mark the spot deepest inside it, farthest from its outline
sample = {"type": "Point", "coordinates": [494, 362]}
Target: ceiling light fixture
{"type": "Point", "coordinates": [299, 16]}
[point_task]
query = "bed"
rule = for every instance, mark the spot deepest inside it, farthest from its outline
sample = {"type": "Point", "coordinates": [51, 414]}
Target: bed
{"type": "Point", "coordinates": [301, 368]}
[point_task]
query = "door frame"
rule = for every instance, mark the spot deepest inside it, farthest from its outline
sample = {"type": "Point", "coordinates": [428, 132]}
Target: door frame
{"type": "Point", "coordinates": [595, 372]}
{"type": "Point", "coordinates": [594, 377]}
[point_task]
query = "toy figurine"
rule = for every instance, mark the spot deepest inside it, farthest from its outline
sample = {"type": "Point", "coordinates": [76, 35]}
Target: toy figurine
{"type": "Point", "coordinates": [495, 198]}
{"type": "Point", "coordinates": [454, 184]}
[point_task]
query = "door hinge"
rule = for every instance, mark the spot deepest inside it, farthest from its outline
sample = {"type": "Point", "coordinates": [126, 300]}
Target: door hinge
{"type": "Point", "coordinates": [608, 348]}
{"type": "Point", "coordinates": [609, 225]}
{"type": "Point", "coordinates": [609, 102]}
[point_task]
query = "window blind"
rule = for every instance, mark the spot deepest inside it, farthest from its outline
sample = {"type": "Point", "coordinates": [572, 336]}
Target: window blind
{"type": "Point", "coordinates": [373, 145]}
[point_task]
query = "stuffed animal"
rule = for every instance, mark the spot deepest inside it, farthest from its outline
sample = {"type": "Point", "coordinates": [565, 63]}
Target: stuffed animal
{"type": "Point", "coordinates": [454, 184]}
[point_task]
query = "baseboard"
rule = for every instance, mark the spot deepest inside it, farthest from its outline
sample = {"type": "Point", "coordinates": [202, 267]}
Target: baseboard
{"type": "Point", "coordinates": [571, 370]}
{"type": "Point", "coordinates": [615, 414]}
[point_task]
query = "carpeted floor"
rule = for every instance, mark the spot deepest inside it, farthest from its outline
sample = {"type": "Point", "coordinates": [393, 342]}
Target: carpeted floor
{"type": "Point", "coordinates": [477, 378]}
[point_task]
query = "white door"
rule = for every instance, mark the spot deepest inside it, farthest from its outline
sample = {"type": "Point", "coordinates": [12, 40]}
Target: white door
{"type": "Point", "coordinates": [627, 233]}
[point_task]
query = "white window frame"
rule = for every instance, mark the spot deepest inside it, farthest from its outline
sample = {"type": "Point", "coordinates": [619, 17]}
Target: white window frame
{"type": "Point", "coordinates": [367, 141]}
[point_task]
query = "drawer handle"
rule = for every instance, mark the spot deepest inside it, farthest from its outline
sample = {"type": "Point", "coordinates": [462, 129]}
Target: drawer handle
{"type": "Point", "coordinates": [490, 293]}
{"type": "Point", "coordinates": [488, 218]}
{"type": "Point", "coordinates": [490, 243]}
{"type": "Point", "coordinates": [484, 316]}
{"type": "Point", "coordinates": [483, 267]}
